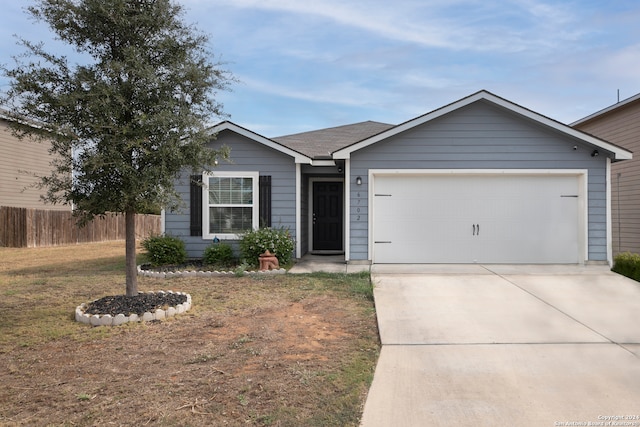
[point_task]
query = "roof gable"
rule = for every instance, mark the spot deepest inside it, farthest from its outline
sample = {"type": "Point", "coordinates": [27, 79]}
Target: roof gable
{"type": "Point", "coordinates": [608, 110]}
{"type": "Point", "coordinates": [227, 125]}
{"type": "Point", "coordinates": [618, 152]}
{"type": "Point", "coordinates": [321, 143]}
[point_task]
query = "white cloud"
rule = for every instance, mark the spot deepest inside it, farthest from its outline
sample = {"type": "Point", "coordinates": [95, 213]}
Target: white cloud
{"type": "Point", "coordinates": [426, 80]}
{"type": "Point", "coordinates": [622, 64]}
{"type": "Point", "coordinates": [458, 25]}
{"type": "Point", "coordinates": [392, 60]}
{"type": "Point", "coordinates": [557, 12]}
{"type": "Point", "coordinates": [343, 93]}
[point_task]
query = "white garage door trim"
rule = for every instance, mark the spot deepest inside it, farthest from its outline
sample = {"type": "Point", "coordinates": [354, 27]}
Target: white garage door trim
{"type": "Point", "coordinates": [581, 174]}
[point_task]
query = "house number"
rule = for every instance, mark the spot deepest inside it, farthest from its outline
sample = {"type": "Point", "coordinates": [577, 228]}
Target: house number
{"type": "Point", "coordinates": [358, 202]}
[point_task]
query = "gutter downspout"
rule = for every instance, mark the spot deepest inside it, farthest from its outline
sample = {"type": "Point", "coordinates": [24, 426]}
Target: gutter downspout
{"type": "Point", "coordinates": [298, 211]}
{"type": "Point", "coordinates": [609, 227]}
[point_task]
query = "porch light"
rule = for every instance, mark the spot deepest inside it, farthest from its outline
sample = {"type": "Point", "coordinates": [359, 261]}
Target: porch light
{"type": "Point", "coordinates": [595, 153]}
{"type": "Point", "coordinates": [358, 181]}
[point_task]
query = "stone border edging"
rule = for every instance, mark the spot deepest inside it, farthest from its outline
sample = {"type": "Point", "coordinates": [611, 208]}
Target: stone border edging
{"type": "Point", "coordinates": [200, 273]}
{"type": "Point", "coordinates": [119, 319]}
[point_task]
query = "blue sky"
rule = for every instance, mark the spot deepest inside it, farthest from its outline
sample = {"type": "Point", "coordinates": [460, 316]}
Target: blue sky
{"type": "Point", "coordinates": [306, 65]}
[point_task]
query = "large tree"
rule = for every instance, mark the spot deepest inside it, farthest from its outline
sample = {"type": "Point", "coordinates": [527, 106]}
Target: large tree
{"type": "Point", "coordinates": [126, 118]}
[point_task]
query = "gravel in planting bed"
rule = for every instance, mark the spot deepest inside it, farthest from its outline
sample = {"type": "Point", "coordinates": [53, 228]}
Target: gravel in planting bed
{"type": "Point", "coordinates": [191, 265]}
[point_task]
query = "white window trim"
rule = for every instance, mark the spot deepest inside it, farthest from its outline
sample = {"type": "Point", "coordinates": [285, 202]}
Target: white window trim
{"type": "Point", "coordinates": [206, 235]}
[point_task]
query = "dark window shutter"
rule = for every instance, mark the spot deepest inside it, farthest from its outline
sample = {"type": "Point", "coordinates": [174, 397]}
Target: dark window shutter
{"type": "Point", "coordinates": [195, 205]}
{"type": "Point", "coordinates": [264, 201]}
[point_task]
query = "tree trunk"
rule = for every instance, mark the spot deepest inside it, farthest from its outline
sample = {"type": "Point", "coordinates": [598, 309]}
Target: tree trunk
{"type": "Point", "coordinates": [130, 266]}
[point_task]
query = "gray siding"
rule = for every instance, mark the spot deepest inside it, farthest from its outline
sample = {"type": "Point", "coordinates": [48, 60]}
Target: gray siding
{"type": "Point", "coordinates": [479, 136]}
{"type": "Point", "coordinates": [622, 127]}
{"type": "Point", "coordinates": [246, 155]}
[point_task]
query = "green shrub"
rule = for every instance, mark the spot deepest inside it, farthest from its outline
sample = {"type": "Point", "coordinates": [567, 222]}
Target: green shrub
{"type": "Point", "coordinates": [278, 241]}
{"type": "Point", "coordinates": [219, 255]}
{"type": "Point", "coordinates": [164, 250]}
{"type": "Point", "coordinates": [627, 264]}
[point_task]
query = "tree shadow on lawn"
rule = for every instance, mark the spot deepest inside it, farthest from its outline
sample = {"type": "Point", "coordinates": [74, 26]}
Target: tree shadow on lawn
{"type": "Point", "coordinates": [101, 265]}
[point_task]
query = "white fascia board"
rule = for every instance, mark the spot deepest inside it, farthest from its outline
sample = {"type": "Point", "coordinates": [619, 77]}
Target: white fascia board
{"type": "Point", "coordinates": [619, 153]}
{"type": "Point", "coordinates": [298, 157]}
{"type": "Point", "coordinates": [323, 163]}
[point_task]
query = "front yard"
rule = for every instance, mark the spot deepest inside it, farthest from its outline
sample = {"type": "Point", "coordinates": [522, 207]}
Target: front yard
{"type": "Point", "coordinates": [280, 350]}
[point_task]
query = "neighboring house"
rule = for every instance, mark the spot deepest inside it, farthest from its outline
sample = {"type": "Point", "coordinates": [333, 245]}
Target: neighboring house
{"type": "Point", "coordinates": [20, 161]}
{"type": "Point", "coordinates": [620, 124]}
{"type": "Point", "coordinates": [479, 180]}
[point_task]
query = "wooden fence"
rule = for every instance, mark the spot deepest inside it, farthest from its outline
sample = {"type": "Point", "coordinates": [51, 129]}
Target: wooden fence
{"type": "Point", "coordinates": [28, 228]}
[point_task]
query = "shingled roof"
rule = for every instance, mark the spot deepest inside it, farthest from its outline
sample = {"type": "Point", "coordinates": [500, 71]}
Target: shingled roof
{"type": "Point", "coordinates": [319, 144]}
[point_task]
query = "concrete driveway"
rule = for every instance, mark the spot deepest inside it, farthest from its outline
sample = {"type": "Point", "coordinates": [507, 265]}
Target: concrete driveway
{"type": "Point", "coordinates": [481, 345]}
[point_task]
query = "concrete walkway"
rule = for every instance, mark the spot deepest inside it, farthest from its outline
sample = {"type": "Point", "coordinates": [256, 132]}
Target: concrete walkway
{"type": "Point", "coordinates": [487, 345]}
{"type": "Point", "coordinates": [327, 264]}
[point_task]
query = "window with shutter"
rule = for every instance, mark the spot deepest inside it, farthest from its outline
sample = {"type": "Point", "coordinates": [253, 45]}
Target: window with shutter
{"type": "Point", "coordinates": [195, 205]}
{"type": "Point", "coordinates": [230, 204]}
{"type": "Point", "coordinates": [265, 201]}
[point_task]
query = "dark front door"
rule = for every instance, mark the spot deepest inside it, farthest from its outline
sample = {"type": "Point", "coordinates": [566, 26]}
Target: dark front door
{"type": "Point", "coordinates": [327, 216]}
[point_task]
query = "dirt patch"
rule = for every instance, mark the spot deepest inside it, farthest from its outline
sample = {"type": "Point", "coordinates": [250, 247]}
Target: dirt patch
{"type": "Point", "coordinates": [282, 351]}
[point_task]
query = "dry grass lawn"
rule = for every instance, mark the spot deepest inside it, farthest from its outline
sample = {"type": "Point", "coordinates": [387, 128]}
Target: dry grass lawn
{"type": "Point", "coordinates": [281, 350]}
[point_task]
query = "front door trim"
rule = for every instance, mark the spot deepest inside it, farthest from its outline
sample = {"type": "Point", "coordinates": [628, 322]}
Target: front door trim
{"type": "Point", "coordinates": [312, 180]}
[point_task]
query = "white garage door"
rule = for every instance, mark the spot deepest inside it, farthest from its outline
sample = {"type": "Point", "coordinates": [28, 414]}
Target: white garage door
{"type": "Point", "coordinates": [476, 218]}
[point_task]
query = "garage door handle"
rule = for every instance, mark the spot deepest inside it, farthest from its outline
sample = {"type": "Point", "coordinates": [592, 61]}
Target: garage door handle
{"type": "Point", "coordinates": [476, 229]}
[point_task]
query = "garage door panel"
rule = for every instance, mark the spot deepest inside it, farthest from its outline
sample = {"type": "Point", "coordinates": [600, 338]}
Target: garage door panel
{"type": "Point", "coordinates": [479, 218]}
{"type": "Point", "coordinates": [411, 226]}
{"type": "Point", "coordinates": [416, 251]}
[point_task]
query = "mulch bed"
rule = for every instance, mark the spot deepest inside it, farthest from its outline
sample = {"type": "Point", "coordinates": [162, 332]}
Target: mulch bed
{"type": "Point", "coordinates": [138, 304]}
